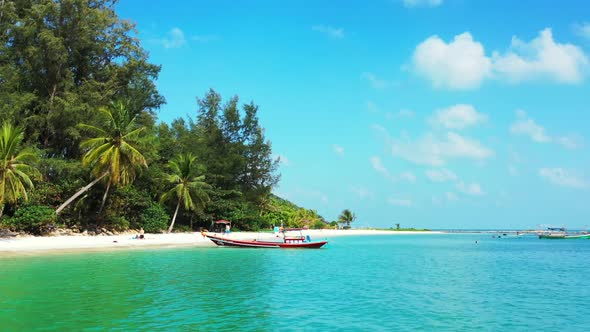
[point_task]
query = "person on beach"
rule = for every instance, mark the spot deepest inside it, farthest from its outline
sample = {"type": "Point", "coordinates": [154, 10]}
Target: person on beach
{"type": "Point", "coordinates": [141, 233]}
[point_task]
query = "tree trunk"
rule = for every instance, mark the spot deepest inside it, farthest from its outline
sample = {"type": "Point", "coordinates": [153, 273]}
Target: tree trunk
{"type": "Point", "coordinates": [174, 218]}
{"type": "Point", "coordinates": [104, 198]}
{"type": "Point", "coordinates": [80, 192]}
{"type": "Point", "coordinates": [1, 210]}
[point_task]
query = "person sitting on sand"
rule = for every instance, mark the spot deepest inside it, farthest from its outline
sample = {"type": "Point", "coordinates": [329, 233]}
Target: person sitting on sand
{"type": "Point", "coordinates": [141, 233]}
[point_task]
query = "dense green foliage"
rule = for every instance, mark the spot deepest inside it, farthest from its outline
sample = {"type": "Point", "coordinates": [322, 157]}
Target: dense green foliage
{"type": "Point", "coordinates": [76, 80]}
{"type": "Point", "coordinates": [34, 219]}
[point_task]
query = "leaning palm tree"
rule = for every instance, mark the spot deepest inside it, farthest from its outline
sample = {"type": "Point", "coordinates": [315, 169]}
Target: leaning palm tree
{"type": "Point", "coordinates": [346, 217]}
{"type": "Point", "coordinates": [15, 168]}
{"type": "Point", "coordinates": [111, 152]}
{"type": "Point", "coordinates": [189, 187]}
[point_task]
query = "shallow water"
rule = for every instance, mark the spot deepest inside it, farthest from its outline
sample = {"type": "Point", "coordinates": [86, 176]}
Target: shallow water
{"type": "Point", "coordinates": [424, 282]}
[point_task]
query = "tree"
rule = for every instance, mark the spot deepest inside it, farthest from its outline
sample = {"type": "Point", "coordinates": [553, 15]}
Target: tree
{"type": "Point", "coordinates": [346, 217]}
{"type": "Point", "coordinates": [189, 187]}
{"type": "Point", "coordinates": [15, 166]}
{"type": "Point", "coordinates": [111, 152]}
{"type": "Point", "coordinates": [60, 60]}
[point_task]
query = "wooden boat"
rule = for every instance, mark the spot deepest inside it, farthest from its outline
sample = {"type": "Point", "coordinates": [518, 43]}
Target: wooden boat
{"type": "Point", "coordinates": [284, 242]}
{"type": "Point", "coordinates": [561, 234]}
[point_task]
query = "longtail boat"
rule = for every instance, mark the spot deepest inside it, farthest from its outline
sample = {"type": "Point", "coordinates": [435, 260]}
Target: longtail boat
{"type": "Point", "coordinates": [561, 234]}
{"type": "Point", "coordinates": [284, 242]}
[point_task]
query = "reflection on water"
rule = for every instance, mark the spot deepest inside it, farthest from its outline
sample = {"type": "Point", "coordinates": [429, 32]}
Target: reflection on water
{"type": "Point", "coordinates": [443, 282]}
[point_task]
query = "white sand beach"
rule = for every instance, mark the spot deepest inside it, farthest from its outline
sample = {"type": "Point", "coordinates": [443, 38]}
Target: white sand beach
{"type": "Point", "coordinates": [50, 244]}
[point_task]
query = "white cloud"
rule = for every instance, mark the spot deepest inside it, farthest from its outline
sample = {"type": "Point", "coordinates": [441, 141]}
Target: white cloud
{"type": "Point", "coordinates": [400, 202]}
{"type": "Point", "coordinates": [338, 149]}
{"type": "Point", "coordinates": [562, 177]}
{"type": "Point", "coordinates": [441, 175]}
{"type": "Point", "coordinates": [568, 142]}
{"type": "Point", "coordinates": [542, 57]}
{"type": "Point", "coordinates": [460, 64]}
{"type": "Point", "coordinates": [361, 192]}
{"type": "Point", "coordinates": [435, 151]}
{"type": "Point", "coordinates": [336, 33]}
{"type": "Point", "coordinates": [527, 126]}
{"type": "Point", "coordinates": [583, 30]}
{"type": "Point", "coordinates": [378, 166]}
{"type": "Point", "coordinates": [473, 189]}
{"type": "Point", "coordinates": [408, 176]}
{"type": "Point", "coordinates": [375, 82]}
{"type": "Point", "coordinates": [458, 116]}
{"type": "Point", "coordinates": [422, 3]}
{"type": "Point", "coordinates": [175, 39]}
{"type": "Point", "coordinates": [451, 197]}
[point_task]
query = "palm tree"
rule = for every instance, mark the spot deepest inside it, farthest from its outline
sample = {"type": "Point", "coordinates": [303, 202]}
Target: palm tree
{"type": "Point", "coordinates": [346, 217]}
{"type": "Point", "coordinates": [15, 168]}
{"type": "Point", "coordinates": [110, 152]}
{"type": "Point", "coordinates": [188, 185]}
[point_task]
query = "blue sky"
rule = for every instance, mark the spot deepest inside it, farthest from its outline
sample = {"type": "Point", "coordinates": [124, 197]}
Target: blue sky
{"type": "Point", "coordinates": [428, 113]}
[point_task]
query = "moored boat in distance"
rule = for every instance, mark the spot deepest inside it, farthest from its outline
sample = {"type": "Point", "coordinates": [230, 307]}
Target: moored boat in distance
{"type": "Point", "coordinates": [559, 233]}
{"type": "Point", "coordinates": [284, 242]}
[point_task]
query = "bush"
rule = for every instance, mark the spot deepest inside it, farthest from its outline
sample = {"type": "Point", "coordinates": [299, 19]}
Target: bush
{"type": "Point", "coordinates": [154, 219]}
{"type": "Point", "coordinates": [318, 224]}
{"type": "Point", "coordinates": [34, 219]}
{"type": "Point", "coordinates": [182, 229]}
{"type": "Point", "coordinates": [118, 224]}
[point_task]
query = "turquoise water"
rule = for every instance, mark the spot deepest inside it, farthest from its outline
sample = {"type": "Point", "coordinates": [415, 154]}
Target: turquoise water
{"type": "Point", "coordinates": [422, 282]}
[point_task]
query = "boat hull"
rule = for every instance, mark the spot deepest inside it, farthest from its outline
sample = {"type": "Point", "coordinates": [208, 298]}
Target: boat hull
{"type": "Point", "coordinates": [227, 242]}
{"type": "Point", "coordinates": [564, 237]}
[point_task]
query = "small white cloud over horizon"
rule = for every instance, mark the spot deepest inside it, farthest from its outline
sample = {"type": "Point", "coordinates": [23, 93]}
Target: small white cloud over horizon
{"type": "Point", "coordinates": [564, 178]}
{"type": "Point", "coordinates": [441, 175]}
{"type": "Point", "coordinates": [422, 3]}
{"type": "Point", "coordinates": [458, 116]}
{"type": "Point", "coordinates": [451, 196]}
{"type": "Point", "coordinates": [375, 82]}
{"type": "Point", "coordinates": [400, 202]}
{"type": "Point", "coordinates": [361, 192]}
{"type": "Point", "coordinates": [462, 63]}
{"type": "Point", "coordinates": [339, 150]}
{"type": "Point", "coordinates": [175, 39]}
{"type": "Point", "coordinates": [408, 176]}
{"type": "Point", "coordinates": [473, 189]}
{"type": "Point", "coordinates": [527, 126]}
{"type": "Point", "coordinates": [436, 151]}
{"type": "Point", "coordinates": [336, 33]}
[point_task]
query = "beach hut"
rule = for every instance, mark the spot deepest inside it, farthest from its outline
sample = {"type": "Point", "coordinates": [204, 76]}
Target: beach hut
{"type": "Point", "coordinates": [218, 226]}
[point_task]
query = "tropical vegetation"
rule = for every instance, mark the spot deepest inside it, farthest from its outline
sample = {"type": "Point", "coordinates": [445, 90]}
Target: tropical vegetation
{"type": "Point", "coordinates": [346, 217]}
{"type": "Point", "coordinates": [81, 145]}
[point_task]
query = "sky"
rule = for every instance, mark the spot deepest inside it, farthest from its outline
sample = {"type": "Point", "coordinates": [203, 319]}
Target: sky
{"type": "Point", "coordinates": [428, 113]}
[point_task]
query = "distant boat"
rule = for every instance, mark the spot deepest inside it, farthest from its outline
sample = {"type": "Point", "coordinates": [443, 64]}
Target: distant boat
{"type": "Point", "coordinates": [284, 242]}
{"type": "Point", "coordinates": [560, 233]}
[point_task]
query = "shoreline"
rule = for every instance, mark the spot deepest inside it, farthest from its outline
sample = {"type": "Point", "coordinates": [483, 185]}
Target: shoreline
{"type": "Point", "coordinates": [36, 245]}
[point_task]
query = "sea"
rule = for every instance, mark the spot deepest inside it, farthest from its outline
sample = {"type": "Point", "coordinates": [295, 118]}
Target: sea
{"type": "Point", "coordinates": [424, 282]}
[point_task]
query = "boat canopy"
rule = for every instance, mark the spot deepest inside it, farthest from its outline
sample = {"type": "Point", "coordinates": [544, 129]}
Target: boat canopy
{"type": "Point", "coordinates": [559, 229]}
{"type": "Point", "coordinates": [221, 221]}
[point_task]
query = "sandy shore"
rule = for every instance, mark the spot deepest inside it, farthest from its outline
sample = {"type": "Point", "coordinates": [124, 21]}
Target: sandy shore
{"type": "Point", "coordinates": [36, 245]}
